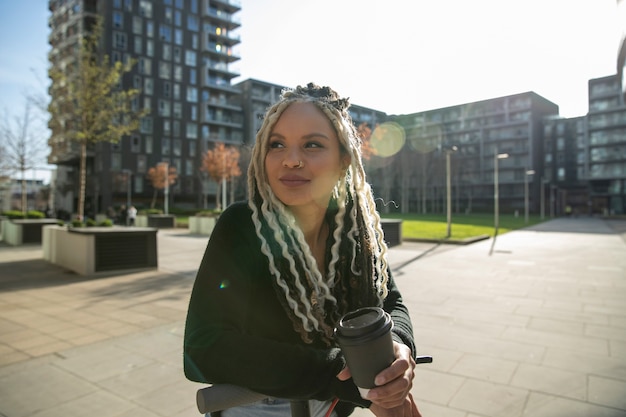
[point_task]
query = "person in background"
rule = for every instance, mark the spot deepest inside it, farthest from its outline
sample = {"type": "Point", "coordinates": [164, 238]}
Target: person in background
{"type": "Point", "coordinates": [132, 215]}
{"type": "Point", "coordinates": [281, 269]}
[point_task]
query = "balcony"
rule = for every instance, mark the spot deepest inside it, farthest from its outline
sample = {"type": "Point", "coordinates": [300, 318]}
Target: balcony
{"type": "Point", "coordinates": [225, 37]}
{"type": "Point", "coordinates": [222, 68]}
{"type": "Point", "coordinates": [231, 6]}
{"type": "Point", "coordinates": [222, 18]}
{"type": "Point", "coordinates": [221, 52]}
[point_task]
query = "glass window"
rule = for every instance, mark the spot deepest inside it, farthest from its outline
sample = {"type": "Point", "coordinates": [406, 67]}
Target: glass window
{"type": "Point", "coordinates": [167, 51]}
{"type": "Point", "coordinates": [165, 70]}
{"type": "Point", "coordinates": [148, 143]}
{"type": "Point", "coordinates": [177, 110]}
{"type": "Point", "coordinates": [178, 73]}
{"type": "Point", "coordinates": [165, 33]}
{"type": "Point", "coordinates": [195, 41]}
{"type": "Point", "coordinates": [177, 54]}
{"type": "Point", "coordinates": [194, 6]}
{"type": "Point", "coordinates": [194, 113]}
{"type": "Point", "coordinates": [116, 161]}
{"type": "Point", "coordinates": [138, 45]}
{"type": "Point", "coordinates": [176, 126]}
{"type": "Point", "coordinates": [176, 91]}
{"type": "Point", "coordinates": [190, 57]}
{"type": "Point", "coordinates": [148, 86]}
{"type": "Point", "coordinates": [166, 146]}
{"type": "Point", "coordinates": [149, 28]}
{"type": "Point", "coordinates": [169, 15]}
{"type": "Point", "coordinates": [135, 144]}
{"type": "Point", "coordinates": [119, 40]}
{"type": "Point", "coordinates": [167, 127]}
{"type": "Point", "coordinates": [128, 5]}
{"type": "Point", "coordinates": [193, 23]}
{"type": "Point", "coordinates": [145, 8]}
{"type": "Point", "coordinates": [149, 48]}
{"type": "Point", "coordinates": [192, 94]}
{"type": "Point", "coordinates": [179, 5]}
{"type": "Point", "coordinates": [118, 20]}
{"type": "Point", "coordinates": [167, 89]}
{"type": "Point", "coordinates": [164, 108]}
{"type": "Point", "coordinates": [193, 76]}
{"type": "Point", "coordinates": [145, 66]}
{"type": "Point", "coordinates": [178, 36]}
{"type": "Point", "coordinates": [146, 124]}
{"type": "Point", "coordinates": [147, 103]}
{"type": "Point", "coordinates": [117, 4]}
{"type": "Point", "coordinates": [142, 164]}
{"type": "Point", "coordinates": [177, 147]}
{"type": "Point", "coordinates": [192, 130]}
{"type": "Point", "coordinates": [178, 18]}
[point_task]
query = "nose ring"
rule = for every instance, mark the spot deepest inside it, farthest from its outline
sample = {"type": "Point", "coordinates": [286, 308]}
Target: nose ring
{"type": "Point", "coordinates": [300, 164]}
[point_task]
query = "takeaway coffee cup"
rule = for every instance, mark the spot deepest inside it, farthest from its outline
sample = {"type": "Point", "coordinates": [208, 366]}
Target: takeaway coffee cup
{"type": "Point", "coordinates": [364, 336]}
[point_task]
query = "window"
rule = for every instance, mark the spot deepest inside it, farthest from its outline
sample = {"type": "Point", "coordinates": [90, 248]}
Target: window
{"type": "Point", "coordinates": [118, 20]}
{"type": "Point", "coordinates": [150, 48]}
{"type": "Point", "coordinates": [147, 103]}
{"type": "Point", "coordinates": [179, 5]}
{"type": "Point", "coordinates": [164, 108]}
{"type": "Point", "coordinates": [176, 126]}
{"type": "Point", "coordinates": [136, 81]}
{"type": "Point", "coordinates": [193, 23]}
{"type": "Point", "coordinates": [145, 66]}
{"type": "Point", "coordinates": [165, 146]}
{"type": "Point", "coordinates": [178, 73]}
{"type": "Point", "coordinates": [177, 110]}
{"type": "Point", "coordinates": [195, 41]}
{"type": "Point", "coordinates": [178, 36]}
{"type": "Point", "coordinates": [116, 161]}
{"type": "Point", "coordinates": [165, 70]}
{"type": "Point", "coordinates": [142, 164]}
{"type": "Point", "coordinates": [167, 89]}
{"type": "Point", "coordinates": [145, 8]}
{"type": "Point", "coordinates": [146, 124]}
{"type": "Point", "coordinates": [165, 33]}
{"type": "Point", "coordinates": [135, 144]}
{"type": "Point", "coordinates": [177, 54]}
{"type": "Point", "coordinates": [167, 52]}
{"type": "Point", "coordinates": [169, 15]}
{"type": "Point", "coordinates": [192, 130]}
{"type": "Point", "coordinates": [192, 94]}
{"type": "Point", "coordinates": [194, 113]}
{"type": "Point", "coordinates": [138, 45]}
{"type": "Point", "coordinates": [148, 142]}
{"type": "Point", "coordinates": [194, 6]}
{"type": "Point", "coordinates": [149, 28]}
{"type": "Point", "coordinates": [148, 86]}
{"type": "Point", "coordinates": [178, 18]}
{"type": "Point", "coordinates": [177, 147]}
{"type": "Point", "coordinates": [176, 91]}
{"type": "Point", "coordinates": [193, 76]}
{"type": "Point", "coordinates": [167, 127]}
{"type": "Point", "coordinates": [119, 40]}
{"type": "Point", "coordinates": [190, 57]}
{"type": "Point", "coordinates": [128, 5]}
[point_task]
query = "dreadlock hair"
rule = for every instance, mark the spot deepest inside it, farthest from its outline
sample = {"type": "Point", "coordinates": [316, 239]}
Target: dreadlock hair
{"type": "Point", "coordinates": [357, 273]}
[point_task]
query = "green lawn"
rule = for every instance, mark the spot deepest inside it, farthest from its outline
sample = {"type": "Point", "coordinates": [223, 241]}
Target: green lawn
{"type": "Point", "coordinates": [433, 226]}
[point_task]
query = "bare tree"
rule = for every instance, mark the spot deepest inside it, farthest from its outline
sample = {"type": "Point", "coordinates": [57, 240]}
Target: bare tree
{"type": "Point", "coordinates": [89, 105]}
{"type": "Point", "coordinates": [22, 146]}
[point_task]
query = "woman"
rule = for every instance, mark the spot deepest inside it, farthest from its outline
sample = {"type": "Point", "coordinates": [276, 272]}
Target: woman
{"type": "Point", "coordinates": [280, 270]}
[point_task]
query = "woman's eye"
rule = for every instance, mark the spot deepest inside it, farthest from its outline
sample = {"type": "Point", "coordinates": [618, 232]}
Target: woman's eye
{"type": "Point", "coordinates": [313, 145]}
{"type": "Point", "coordinates": [275, 145]}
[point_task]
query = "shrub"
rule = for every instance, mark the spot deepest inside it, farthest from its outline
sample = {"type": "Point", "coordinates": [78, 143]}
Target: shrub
{"type": "Point", "coordinates": [91, 223]}
{"type": "Point", "coordinates": [209, 213]}
{"type": "Point", "coordinates": [150, 211]}
{"type": "Point", "coordinates": [35, 214]}
{"type": "Point", "coordinates": [106, 223]}
{"type": "Point", "coordinates": [13, 214]}
{"type": "Point", "coordinates": [77, 223]}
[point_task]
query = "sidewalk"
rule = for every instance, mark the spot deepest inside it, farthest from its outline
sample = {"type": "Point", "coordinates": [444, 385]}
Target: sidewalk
{"type": "Point", "coordinates": [536, 329]}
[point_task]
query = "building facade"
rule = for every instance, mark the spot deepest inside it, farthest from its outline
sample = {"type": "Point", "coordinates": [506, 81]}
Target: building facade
{"type": "Point", "coordinates": [184, 51]}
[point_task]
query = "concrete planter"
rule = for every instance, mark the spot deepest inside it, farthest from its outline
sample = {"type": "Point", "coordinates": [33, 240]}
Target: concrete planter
{"type": "Point", "coordinates": [160, 221]}
{"type": "Point", "coordinates": [18, 232]}
{"type": "Point", "coordinates": [93, 250]}
{"type": "Point", "coordinates": [392, 228]}
{"type": "Point", "coordinates": [201, 225]}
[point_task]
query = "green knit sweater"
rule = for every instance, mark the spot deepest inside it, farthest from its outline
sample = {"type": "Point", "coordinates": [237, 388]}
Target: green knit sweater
{"type": "Point", "coordinates": [237, 331]}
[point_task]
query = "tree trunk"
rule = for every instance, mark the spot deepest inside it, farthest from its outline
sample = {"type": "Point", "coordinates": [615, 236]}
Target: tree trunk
{"type": "Point", "coordinates": [83, 180]}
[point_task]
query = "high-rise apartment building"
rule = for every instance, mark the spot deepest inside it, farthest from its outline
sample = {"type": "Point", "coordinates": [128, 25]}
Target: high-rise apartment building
{"type": "Point", "coordinates": [184, 51]}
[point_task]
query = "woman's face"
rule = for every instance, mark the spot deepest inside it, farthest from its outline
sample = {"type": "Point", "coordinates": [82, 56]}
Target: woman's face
{"type": "Point", "coordinates": [304, 159]}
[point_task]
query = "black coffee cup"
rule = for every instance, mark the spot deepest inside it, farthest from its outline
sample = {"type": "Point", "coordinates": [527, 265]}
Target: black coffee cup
{"type": "Point", "coordinates": [364, 336]}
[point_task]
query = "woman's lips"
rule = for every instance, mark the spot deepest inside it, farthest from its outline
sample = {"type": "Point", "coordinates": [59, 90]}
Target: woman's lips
{"type": "Point", "coordinates": [293, 180]}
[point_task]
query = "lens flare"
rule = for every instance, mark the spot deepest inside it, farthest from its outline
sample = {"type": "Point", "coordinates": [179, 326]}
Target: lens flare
{"type": "Point", "coordinates": [224, 284]}
{"type": "Point", "coordinates": [387, 139]}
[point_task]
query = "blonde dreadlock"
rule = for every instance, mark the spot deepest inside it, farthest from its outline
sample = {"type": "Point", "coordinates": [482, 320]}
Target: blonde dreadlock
{"type": "Point", "coordinates": [313, 302]}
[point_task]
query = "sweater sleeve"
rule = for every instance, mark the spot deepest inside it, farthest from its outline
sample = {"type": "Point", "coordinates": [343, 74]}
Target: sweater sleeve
{"type": "Point", "coordinates": [402, 331]}
{"type": "Point", "coordinates": [231, 291]}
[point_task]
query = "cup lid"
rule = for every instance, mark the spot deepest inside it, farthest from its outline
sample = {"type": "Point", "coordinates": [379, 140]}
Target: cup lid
{"type": "Point", "coordinates": [365, 320]}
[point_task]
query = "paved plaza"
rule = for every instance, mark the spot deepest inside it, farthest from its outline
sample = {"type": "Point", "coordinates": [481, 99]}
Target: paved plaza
{"type": "Point", "coordinates": [536, 328]}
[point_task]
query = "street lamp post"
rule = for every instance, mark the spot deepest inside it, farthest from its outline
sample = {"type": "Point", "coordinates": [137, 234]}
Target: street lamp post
{"type": "Point", "coordinates": [166, 190]}
{"type": "Point", "coordinates": [128, 173]}
{"type": "Point", "coordinates": [496, 197]}
{"type": "Point", "coordinates": [526, 174]}
{"type": "Point", "coordinates": [449, 191]}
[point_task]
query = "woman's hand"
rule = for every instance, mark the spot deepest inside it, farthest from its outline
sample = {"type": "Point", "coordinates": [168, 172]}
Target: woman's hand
{"type": "Point", "coordinates": [392, 395]}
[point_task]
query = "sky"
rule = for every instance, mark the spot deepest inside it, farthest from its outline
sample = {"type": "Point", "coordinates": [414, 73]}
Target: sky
{"type": "Point", "coordinates": [396, 56]}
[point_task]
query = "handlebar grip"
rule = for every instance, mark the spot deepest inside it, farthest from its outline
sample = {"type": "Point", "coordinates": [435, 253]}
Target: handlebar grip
{"type": "Point", "coordinates": [222, 396]}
